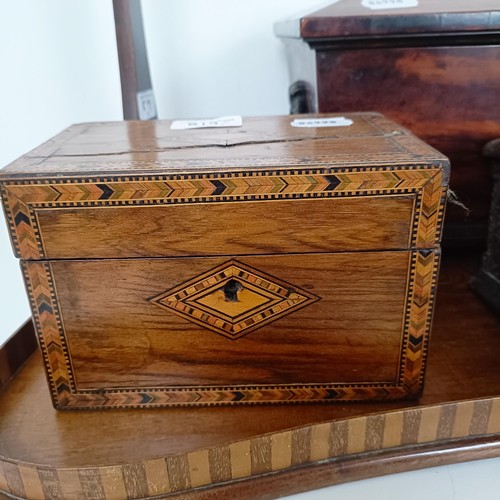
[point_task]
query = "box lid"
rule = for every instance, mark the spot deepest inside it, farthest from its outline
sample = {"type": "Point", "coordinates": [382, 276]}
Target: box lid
{"type": "Point", "coordinates": [351, 18]}
{"type": "Point", "coordinates": [152, 148]}
{"type": "Point", "coordinates": [113, 190]}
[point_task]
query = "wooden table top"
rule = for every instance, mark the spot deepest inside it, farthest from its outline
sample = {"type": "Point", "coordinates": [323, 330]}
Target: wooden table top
{"type": "Point", "coordinates": [146, 452]}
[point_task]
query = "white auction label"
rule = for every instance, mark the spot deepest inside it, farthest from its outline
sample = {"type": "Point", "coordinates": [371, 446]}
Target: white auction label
{"type": "Point", "coordinates": [389, 4]}
{"type": "Point", "coordinates": [337, 121]}
{"type": "Point", "coordinates": [146, 105]}
{"type": "Point", "coordinates": [222, 121]}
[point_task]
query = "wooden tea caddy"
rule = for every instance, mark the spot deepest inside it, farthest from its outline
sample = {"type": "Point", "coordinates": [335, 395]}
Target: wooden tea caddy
{"type": "Point", "coordinates": [261, 264]}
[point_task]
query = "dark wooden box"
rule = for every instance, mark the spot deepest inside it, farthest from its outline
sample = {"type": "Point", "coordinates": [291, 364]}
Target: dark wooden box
{"type": "Point", "coordinates": [265, 263]}
{"type": "Point", "coordinates": [434, 68]}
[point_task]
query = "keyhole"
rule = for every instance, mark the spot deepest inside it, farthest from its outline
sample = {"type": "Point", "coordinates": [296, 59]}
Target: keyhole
{"type": "Point", "coordinates": [231, 289]}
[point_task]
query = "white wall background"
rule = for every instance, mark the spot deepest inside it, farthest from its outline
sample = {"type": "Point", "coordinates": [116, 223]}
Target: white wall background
{"type": "Point", "coordinates": [58, 66]}
{"type": "Point", "coordinates": [219, 57]}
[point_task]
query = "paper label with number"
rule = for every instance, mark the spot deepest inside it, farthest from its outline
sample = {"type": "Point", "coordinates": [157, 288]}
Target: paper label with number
{"type": "Point", "coordinates": [223, 121]}
{"type": "Point", "coordinates": [337, 121]}
{"type": "Point", "coordinates": [389, 4]}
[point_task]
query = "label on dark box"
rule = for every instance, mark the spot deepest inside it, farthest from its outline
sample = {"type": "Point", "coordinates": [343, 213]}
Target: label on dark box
{"type": "Point", "coordinates": [389, 4]}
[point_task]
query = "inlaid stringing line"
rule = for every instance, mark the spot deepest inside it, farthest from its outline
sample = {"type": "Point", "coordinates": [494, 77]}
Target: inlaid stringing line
{"type": "Point", "coordinates": [107, 192]}
{"type": "Point", "coordinates": [423, 181]}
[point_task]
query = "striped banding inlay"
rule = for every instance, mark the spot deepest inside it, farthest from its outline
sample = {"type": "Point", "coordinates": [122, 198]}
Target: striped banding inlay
{"type": "Point", "coordinates": [253, 457]}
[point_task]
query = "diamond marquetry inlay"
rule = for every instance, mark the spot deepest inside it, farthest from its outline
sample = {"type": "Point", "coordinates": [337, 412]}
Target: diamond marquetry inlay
{"type": "Point", "coordinates": [233, 299]}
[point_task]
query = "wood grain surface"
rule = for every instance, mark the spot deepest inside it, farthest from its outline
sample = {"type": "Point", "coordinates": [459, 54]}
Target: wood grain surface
{"type": "Point", "coordinates": [24, 201]}
{"type": "Point", "coordinates": [48, 454]}
{"type": "Point", "coordinates": [428, 91]}
{"type": "Point", "coordinates": [15, 351]}
{"type": "Point", "coordinates": [148, 357]}
{"type": "Point", "coordinates": [342, 470]}
{"type": "Point", "coordinates": [151, 148]}
{"type": "Point", "coordinates": [309, 225]}
{"type": "Point", "coordinates": [328, 341]}
{"type": "Point", "coordinates": [137, 332]}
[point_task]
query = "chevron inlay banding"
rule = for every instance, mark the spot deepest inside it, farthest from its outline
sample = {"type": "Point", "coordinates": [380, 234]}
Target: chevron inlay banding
{"type": "Point", "coordinates": [158, 331]}
{"type": "Point", "coordinates": [23, 199]}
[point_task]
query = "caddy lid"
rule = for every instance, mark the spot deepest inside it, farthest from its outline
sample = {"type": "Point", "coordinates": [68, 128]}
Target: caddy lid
{"type": "Point", "coordinates": [149, 148]}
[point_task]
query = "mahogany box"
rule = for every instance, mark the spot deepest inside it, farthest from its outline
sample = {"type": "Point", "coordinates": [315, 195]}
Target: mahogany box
{"type": "Point", "coordinates": [258, 264]}
{"type": "Point", "coordinates": [432, 65]}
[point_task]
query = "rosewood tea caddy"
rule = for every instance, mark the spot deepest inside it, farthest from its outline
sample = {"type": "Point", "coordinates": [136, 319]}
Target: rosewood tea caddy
{"type": "Point", "coordinates": [266, 263]}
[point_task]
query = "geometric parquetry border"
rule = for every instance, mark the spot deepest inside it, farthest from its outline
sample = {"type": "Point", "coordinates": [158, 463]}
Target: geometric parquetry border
{"type": "Point", "coordinates": [422, 279]}
{"type": "Point", "coordinates": [23, 198]}
{"type": "Point", "coordinates": [425, 183]}
{"type": "Point", "coordinates": [50, 329]}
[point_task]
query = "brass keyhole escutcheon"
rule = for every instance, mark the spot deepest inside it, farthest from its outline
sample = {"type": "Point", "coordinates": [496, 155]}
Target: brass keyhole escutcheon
{"type": "Point", "coordinates": [231, 289]}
